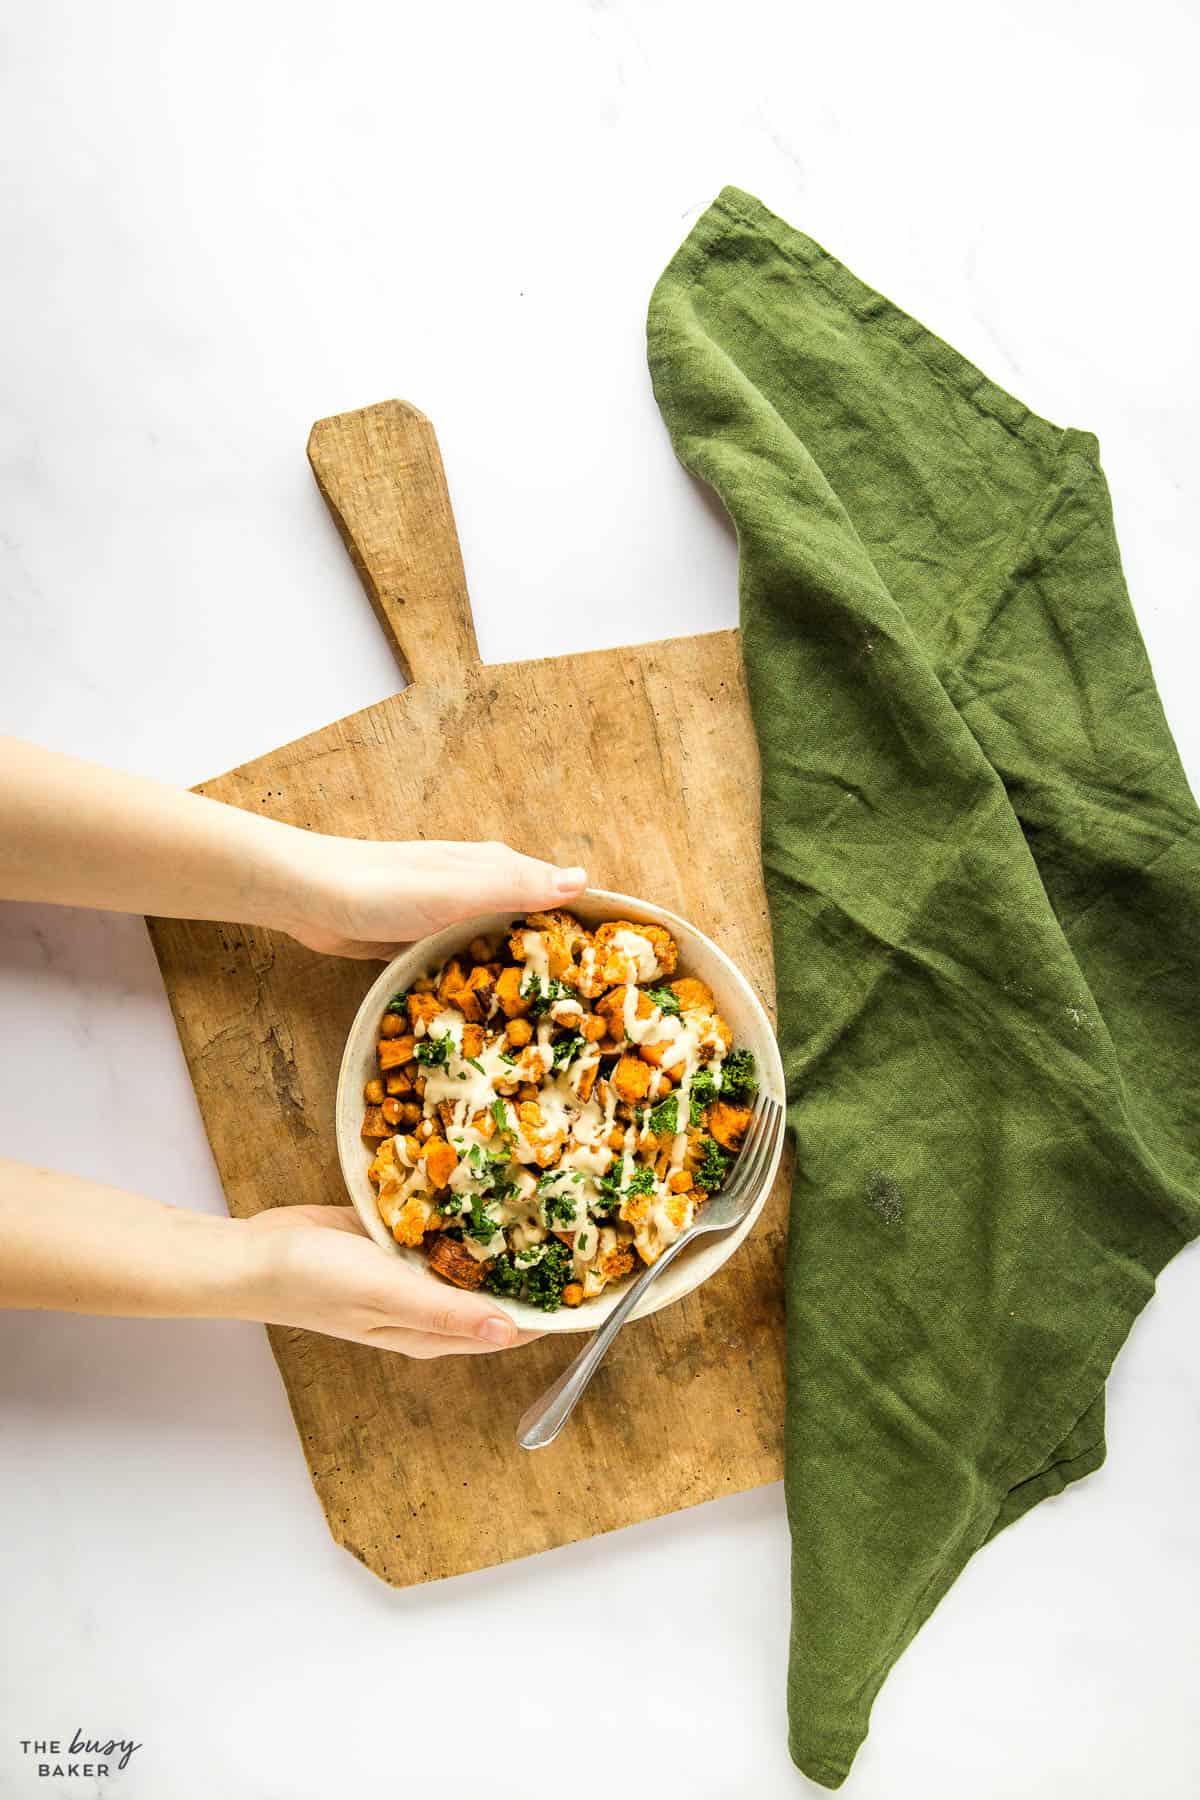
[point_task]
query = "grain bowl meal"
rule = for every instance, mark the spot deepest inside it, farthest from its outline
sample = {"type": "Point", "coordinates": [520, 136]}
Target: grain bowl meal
{"type": "Point", "coordinates": [551, 1109]}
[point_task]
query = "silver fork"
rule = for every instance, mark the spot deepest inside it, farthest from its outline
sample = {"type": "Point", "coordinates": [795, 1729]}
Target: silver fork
{"type": "Point", "coordinates": [727, 1208]}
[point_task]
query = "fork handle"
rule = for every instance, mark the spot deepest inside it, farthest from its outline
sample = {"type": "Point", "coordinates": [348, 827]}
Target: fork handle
{"type": "Point", "coordinates": [547, 1416]}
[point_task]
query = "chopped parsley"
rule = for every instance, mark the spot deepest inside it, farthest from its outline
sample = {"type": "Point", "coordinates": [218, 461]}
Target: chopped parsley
{"type": "Point", "coordinates": [397, 1002]}
{"type": "Point", "coordinates": [665, 1000]}
{"type": "Point", "coordinates": [476, 1064]}
{"type": "Point", "coordinates": [566, 1050]}
{"type": "Point", "coordinates": [481, 1226]}
{"type": "Point", "coordinates": [433, 1050]}
{"type": "Point", "coordinates": [541, 995]}
{"type": "Point", "coordinates": [500, 1115]}
{"type": "Point", "coordinates": [665, 1116]}
{"type": "Point", "coordinates": [714, 1166]}
{"type": "Point", "coordinates": [558, 1208]}
{"type": "Point", "coordinates": [611, 1193]}
{"type": "Point", "coordinates": [451, 1205]}
{"type": "Point", "coordinates": [739, 1077]}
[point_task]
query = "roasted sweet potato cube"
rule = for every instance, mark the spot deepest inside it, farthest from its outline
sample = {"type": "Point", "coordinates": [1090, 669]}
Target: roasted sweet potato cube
{"type": "Point", "coordinates": [423, 1006]}
{"type": "Point", "coordinates": [399, 1082]}
{"type": "Point", "coordinates": [481, 985]}
{"type": "Point", "coordinates": [441, 1160]}
{"type": "Point", "coordinates": [693, 995]}
{"type": "Point", "coordinates": [631, 1078]}
{"type": "Point", "coordinates": [585, 1081]}
{"type": "Point", "coordinates": [395, 1051]}
{"type": "Point", "coordinates": [728, 1124]}
{"type": "Point", "coordinates": [513, 1003]}
{"type": "Point", "coordinates": [452, 977]}
{"type": "Point", "coordinates": [454, 1263]}
{"type": "Point", "coordinates": [472, 1040]}
{"type": "Point", "coordinates": [374, 1124]}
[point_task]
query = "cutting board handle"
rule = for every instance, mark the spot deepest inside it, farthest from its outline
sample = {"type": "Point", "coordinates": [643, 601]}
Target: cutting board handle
{"type": "Point", "coordinates": [380, 471]}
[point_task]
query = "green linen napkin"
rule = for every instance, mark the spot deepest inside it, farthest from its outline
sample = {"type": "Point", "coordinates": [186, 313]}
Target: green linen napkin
{"type": "Point", "coordinates": [983, 867]}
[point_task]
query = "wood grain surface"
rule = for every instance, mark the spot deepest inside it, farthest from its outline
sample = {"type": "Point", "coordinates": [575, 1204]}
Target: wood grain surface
{"type": "Point", "coordinates": [638, 762]}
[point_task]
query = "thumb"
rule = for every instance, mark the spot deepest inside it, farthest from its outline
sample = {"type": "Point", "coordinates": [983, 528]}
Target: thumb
{"type": "Point", "coordinates": [425, 1304]}
{"type": "Point", "coordinates": [524, 882]}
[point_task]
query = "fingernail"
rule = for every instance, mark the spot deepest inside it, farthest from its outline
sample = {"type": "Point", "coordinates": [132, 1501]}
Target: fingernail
{"type": "Point", "coordinates": [571, 879]}
{"type": "Point", "coordinates": [497, 1331]}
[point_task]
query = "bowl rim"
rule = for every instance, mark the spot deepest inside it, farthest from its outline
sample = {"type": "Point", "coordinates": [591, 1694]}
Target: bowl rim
{"type": "Point", "coordinates": [529, 1318]}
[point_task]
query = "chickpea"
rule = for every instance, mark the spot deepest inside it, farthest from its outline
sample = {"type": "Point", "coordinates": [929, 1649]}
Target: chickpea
{"type": "Point", "coordinates": [519, 1033]}
{"type": "Point", "coordinates": [373, 1093]}
{"type": "Point", "coordinates": [392, 1110]}
{"type": "Point", "coordinates": [391, 1025]}
{"type": "Point", "coordinates": [573, 1293]}
{"type": "Point", "coordinates": [410, 1112]}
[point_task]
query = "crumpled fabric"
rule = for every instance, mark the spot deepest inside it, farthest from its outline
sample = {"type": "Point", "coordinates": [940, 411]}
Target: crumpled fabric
{"type": "Point", "coordinates": [982, 860]}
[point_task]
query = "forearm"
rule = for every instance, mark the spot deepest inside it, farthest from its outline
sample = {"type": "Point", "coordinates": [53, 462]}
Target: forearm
{"type": "Point", "coordinates": [79, 835]}
{"type": "Point", "coordinates": [77, 1246]}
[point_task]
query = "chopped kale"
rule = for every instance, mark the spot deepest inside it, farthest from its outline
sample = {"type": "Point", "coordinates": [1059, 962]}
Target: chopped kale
{"type": "Point", "coordinates": [504, 1277]}
{"type": "Point", "coordinates": [665, 1116]}
{"type": "Point", "coordinates": [702, 1090]}
{"type": "Point", "coordinates": [665, 1000]}
{"type": "Point", "coordinates": [714, 1166]}
{"type": "Point", "coordinates": [566, 1049]}
{"type": "Point", "coordinates": [431, 1050]}
{"type": "Point", "coordinates": [641, 1181]}
{"type": "Point", "coordinates": [739, 1077]}
{"type": "Point", "coordinates": [451, 1205]}
{"type": "Point", "coordinates": [544, 1283]}
{"type": "Point", "coordinates": [541, 1282]}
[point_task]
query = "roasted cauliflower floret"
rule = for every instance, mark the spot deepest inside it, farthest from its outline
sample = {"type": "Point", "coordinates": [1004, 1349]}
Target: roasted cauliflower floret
{"type": "Point", "coordinates": [627, 952]}
{"type": "Point", "coordinates": [563, 938]}
{"type": "Point", "coordinates": [408, 1218]}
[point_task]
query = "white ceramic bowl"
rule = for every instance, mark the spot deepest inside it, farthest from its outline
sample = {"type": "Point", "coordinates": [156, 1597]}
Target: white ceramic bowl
{"type": "Point", "coordinates": [737, 1002]}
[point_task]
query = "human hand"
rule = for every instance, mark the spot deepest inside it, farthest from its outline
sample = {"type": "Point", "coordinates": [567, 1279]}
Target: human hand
{"type": "Point", "coordinates": [319, 1270]}
{"type": "Point", "coordinates": [359, 898]}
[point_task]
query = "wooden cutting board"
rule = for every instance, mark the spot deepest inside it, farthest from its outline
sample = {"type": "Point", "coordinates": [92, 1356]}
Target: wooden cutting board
{"type": "Point", "coordinates": [640, 763]}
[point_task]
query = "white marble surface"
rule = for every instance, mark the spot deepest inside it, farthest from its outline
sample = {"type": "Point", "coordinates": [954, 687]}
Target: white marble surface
{"type": "Point", "coordinates": [221, 222]}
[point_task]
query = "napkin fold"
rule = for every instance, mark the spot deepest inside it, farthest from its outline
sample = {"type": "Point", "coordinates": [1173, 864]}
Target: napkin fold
{"type": "Point", "coordinates": [983, 866]}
